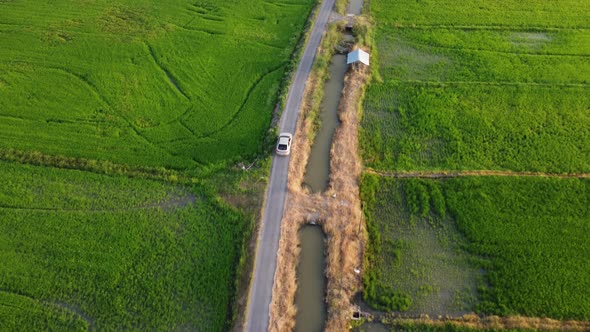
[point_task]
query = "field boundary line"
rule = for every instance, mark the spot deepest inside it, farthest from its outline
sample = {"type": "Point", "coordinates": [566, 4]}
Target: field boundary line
{"type": "Point", "coordinates": [484, 27]}
{"type": "Point", "coordinates": [98, 166]}
{"type": "Point", "coordinates": [427, 82]}
{"type": "Point", "coordinates": [444, 174]}
{"type": "Point", "coordinates": [475, 50]}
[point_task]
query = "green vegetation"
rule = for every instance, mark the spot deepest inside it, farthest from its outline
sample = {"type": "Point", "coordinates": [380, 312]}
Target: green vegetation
{"type": "Point", "coordinates": [473, 127]}
{"type": "Point", "coordinates": [527, 235]}
{"type": "Point", "coordinates": [476, 85]}
{"type": "Point", "coordinates": [176, 84]}
{"type": "Point", "coordinates": [527, 14]}
{"type": "Point", "coordinates": [414, 260]}
{"type": "Point", "coordinates": [150, 105]}
{"type": "Point", "coordinates": [449, 327]}
{"type": "Point", "coordinates": [533, 234]}
{"type": "Point", "coordinates": [81, 250]}
{"type": "Point", "coordinates": [479, 86]}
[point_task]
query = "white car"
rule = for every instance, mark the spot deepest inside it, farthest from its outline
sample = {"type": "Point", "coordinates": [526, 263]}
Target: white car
{"type": "Point", "coordinates": [284, 144]}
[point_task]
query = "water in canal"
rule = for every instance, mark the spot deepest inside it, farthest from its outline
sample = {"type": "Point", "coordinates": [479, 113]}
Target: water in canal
{"type": "Point", "coordinates": [355, 7]}
{"type": "Point", "coordinates": [311, 291]}
{"type": "Point", "coordinates": [318, 166]}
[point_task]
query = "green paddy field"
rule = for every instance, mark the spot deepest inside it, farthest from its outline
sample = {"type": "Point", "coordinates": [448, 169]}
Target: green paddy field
{"type": "Point", "coordinates": [123, 125]}
{"type": "Point", "coordinates": [478, 86]}
{"type": "Point", "coordinates": [177, 84]}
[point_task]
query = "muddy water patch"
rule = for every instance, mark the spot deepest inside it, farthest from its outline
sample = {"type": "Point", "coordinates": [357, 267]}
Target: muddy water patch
{"type": "Point", "coordinates": [311, 290]}
{"type": "Point", "coordinates": [318, 168]}
{"type": "Point", "coordinates": [355, 7]}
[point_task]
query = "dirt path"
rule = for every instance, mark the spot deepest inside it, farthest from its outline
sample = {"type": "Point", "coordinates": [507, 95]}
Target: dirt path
{"type": "Point", "coordinates": [337, 211]}
{"type": "Point", "coordinates": [456, 174]}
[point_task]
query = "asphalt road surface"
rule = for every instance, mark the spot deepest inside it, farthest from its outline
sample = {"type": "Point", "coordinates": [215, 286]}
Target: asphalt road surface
{"type": "Point", "coordinates": [268, 243]}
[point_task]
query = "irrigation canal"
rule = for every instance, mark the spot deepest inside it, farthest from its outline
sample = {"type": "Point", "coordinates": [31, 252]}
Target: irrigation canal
{"type": "Point", "coordinates": [311, 308]}
{"type": "Point", "coordinates": [318, 166]}
{"type": "Point", "coordinates": [311, 291]}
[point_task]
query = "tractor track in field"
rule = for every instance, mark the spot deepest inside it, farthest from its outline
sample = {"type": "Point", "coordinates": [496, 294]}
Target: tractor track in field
{"type": "Point", "coordinates": [209, 32]}
{"type": "Point", "coordinates": [105, 103]}
{"type": "Point", "coordinates": [231, 120]}
{"type": "Point", "coordinates": [456, 174]}
{"type": "Point", "coordinates": [15, 118]}
{"type": "Point", "coordinates": [59, 305]}
{"type": "Point", "coordinates": [171, 78]}
{"type": "Point", "coordinates": [243, 105]}
{"type": "Point", "coordinates": [100, 97]}
{"type": "Point", "coordinates": [77, 312]}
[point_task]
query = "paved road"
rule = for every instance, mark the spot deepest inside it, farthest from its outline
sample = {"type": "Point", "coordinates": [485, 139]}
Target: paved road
{"type": "Point", "coordinates": [268, 242]}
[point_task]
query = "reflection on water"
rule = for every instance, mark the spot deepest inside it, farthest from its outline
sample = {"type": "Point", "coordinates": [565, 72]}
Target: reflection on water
{"type": "Point", "coordinates": [311, 290]}
{"type": "Point", "coordinates": [318, 166]}
{"type": "Point", "coordinates": [355, 7]}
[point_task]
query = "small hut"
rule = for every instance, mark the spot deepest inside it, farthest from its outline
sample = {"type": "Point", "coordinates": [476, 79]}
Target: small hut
{"type": "Point", "coordinates": [357, 57]}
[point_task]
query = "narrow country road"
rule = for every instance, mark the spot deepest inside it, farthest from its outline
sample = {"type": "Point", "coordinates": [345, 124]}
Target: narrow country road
{"type": "Point", "coordinates": [268, 242]}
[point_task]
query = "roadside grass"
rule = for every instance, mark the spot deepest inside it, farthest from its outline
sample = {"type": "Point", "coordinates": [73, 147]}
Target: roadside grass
{"type": "Point", "coordinates": [178, 85]}
{"type": "Point", "coordinates": [527, 235]}
{"type": "Point", "coordinates": [499, 96]}
{"type": "Point", "coordinates": [82, 250]}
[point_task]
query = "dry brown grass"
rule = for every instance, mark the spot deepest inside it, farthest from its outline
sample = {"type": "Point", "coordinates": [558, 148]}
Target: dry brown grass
{"type": "Point", "coordinates": [339, 215]}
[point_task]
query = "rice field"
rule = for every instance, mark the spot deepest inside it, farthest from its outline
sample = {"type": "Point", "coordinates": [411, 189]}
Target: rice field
{"type": "Point", "coordinates": [82, 251]}
{"type": "Point", "coordinates": [485, 92]}
{"type": "Point", "coordinates": [177, 84]}
{"type": "Point", "coordinates": [478, 86]}
{"type": "Point", "coordinates": [121, 125]}
{"type": "Point", "coordinates": [492, 245]}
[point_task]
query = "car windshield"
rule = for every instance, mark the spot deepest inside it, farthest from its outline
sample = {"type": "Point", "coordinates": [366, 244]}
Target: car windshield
{"type": "Point", "coordinates": [282, 146]}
